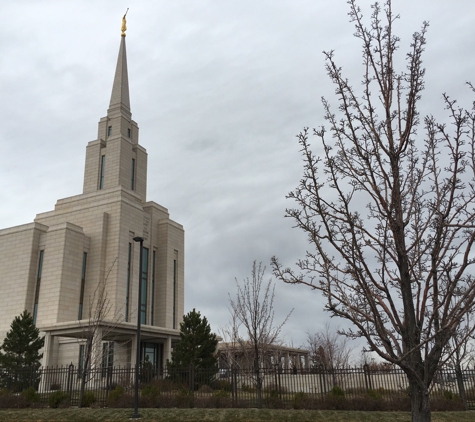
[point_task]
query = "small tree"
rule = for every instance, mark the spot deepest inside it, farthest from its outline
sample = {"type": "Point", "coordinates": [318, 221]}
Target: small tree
{"type": "Point", "coordinates": [195, 353]}
{"type": "Point", "coordinates": [98, 325]}
{"type": "Point", "coordinates": [19, 353]}
{"type": "Point", "coordinates": [253, 309]}
{"type": "Point", "coordinates": [329, 350]}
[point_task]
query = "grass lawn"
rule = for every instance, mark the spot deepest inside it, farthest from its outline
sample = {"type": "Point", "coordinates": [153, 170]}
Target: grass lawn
{"type": "Point", "coordinates": [221, 415]}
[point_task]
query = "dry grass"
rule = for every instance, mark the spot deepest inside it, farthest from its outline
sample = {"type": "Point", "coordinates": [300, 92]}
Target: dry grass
{"type": "Point", "coordinates": [220, 415]}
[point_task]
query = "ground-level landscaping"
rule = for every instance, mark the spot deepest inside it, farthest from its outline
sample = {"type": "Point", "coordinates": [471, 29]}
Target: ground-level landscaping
{"type": "Point", "coordinates": [220, 415]}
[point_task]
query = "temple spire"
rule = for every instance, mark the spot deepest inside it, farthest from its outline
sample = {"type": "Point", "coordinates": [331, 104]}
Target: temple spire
{"type": "Point", "coordinates": [120, 101]}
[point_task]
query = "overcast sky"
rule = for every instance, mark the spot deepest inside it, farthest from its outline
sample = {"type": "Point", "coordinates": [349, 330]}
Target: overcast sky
{"type": "Point", "coordinates": [219, 90]}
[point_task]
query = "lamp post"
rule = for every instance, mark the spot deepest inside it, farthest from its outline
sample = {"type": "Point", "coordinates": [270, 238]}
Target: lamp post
{"type": "Point", "coordinates": [136, 415]}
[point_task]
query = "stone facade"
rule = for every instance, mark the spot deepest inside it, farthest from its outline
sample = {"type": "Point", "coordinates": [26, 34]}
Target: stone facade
{"type": "Point", "coordinates": [58, 266]}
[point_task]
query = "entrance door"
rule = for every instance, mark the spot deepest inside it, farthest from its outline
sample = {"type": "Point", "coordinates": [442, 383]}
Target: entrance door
{"type": "Point", "coordinates": [154, 353]}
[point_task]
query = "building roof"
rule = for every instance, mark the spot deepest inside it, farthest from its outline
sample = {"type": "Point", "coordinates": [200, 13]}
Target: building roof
{"type": "Point", "coordinates": [224, 346]}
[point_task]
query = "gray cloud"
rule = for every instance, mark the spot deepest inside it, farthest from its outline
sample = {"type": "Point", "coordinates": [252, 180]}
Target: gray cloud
{"type": "Point", "coordinates": [219, 89]}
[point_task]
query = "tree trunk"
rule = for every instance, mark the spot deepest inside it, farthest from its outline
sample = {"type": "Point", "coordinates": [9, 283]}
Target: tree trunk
{"type": "Point", "coordinates": [420, 406]}
{"type": "Point", "coordinates": [461, 386]}
{"type": "Point", "coordinates": [257, 372]}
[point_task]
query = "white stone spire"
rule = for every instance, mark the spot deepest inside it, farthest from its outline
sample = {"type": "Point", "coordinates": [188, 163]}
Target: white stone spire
{"type": "Point", "coordinates": [120, 101]}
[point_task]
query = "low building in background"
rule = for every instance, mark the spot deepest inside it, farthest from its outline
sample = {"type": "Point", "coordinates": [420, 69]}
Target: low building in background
{"type": "Point", "coordinates": [242, 355]}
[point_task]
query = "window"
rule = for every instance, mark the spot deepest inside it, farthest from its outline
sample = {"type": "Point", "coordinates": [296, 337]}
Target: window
{"type": "Point", "coordinates": [144, 278]}
{"type": "Point", "coordinates": [175, 276]}
{"type": "Point", "coordinates": [152, 302]}
{"type": "Point", "coordinates": [38, 284]}
{"type": "Point", "coordinates": [101, 179]}
{"type": "Point", "coordinates": [128, 133]}
{"type": "Point", "coordinates": [127, 287]}
{"type": "Point", "coordinates": [132, 176]}
{"type": "Point", "coordinates": [153, 352]}
{"type": "Point", "coordinates": [83, 282]}
{"type": "Point", "coordinates": [107, 357]}
{"type": "Point", "coordinates": [109, 131]}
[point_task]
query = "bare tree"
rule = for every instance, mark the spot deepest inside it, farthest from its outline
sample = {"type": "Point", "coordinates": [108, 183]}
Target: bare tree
{"type": "Point", "coordinates": [98, 325]}
{"type": "Point", "coordinates": [398, 269]}
{"type": "Point", "coordinates": [253, 310]}
{"type": "Point", "coordinates": [328, 349]}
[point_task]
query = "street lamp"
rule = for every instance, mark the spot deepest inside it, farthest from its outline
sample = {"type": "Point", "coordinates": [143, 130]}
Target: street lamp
{"type": "Point", "coordinates": [136, 415]}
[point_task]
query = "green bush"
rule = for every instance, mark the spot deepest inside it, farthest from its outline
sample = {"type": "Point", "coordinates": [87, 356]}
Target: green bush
{"type": "Point", "coordinates": [165, 385]}
{"type": "Point", "coordinates": [31, 395]}
{"type": "Point", "coordinates": [205, 389]}
{"type": "Point", "coordinates": [222, 385]}
{"type": "Point", "coordinates": [58, 398]}
{"type": "Point", "coordinates": [88, 399]}
{"type": "Point", "coordinates": [150, 391]}
{"type": "Point", "coordinates": [337, 392]}
{"type": "Point", "coordinates": [273, 401]}
{"type": "Point", "coordinates": [185, 399]}
{"type": "Point", "coordinates": [124, 401]}
{"type": "Point", "coordinates": [221, 394]}
{"type": "Point", "coordinates": [115, 394]}
{"type": "Point", "coordinates": [274, 387]}
{"type": "Point", "coordinates": [247, 389]}
{"type": "Point", "coordinates": [221, 399]}
{"type": "Point", "coordinates": [300, 400]}
{"type": "Point", "coordinates": [376, 394]}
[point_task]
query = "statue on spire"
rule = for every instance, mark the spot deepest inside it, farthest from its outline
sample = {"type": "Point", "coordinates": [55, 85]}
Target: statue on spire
{"type": "Point", "coordinates": [124, 23]}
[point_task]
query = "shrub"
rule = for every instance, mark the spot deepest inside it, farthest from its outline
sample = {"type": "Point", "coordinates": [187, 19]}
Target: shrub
{"type": "Point", "coordinates": [88, 399]}
{"type": "Point", "coordinates": [247, 389]}
{"type": "Point", "coordinates": [221, 394]}
{"type": "Point", "coordinates": [8, 400]}
{"type": "Point", "coordinates": [124, 401]}
{"type": "Point", "coordinates": [163, 385]}
{"type": "Point", "coordinates": [31, 395]}
{"type": "Point", "coordinates": [222, 385]}
{"type": "Point", "coordinates": [185, 399]}
{"type": "Point", "coordinates": [375, 394]}
{"type": "Point", "coordinates": [150, 392]}
{"type": "Point", "coordinates": [274, 387]}
{"type": "Point", "coordinates": [273, 401]}
{"type": "Point", "coordinates": [221, 398]}
{"type": "Point", "coordinates": [5, 392]}
{"type": "Point", "coordinates": [58, 399]}
{"type": "Point", "coordinates": [300, 400]}
{"type": "Point", "coordinates": [337, 392]}
{"type": "Point", "coordinates": [115, 395]}
{"type": "Point", "coordinates": [205, 389]}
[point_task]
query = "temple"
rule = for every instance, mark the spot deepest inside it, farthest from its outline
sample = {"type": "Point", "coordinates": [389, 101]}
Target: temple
{"type": "Point", "coordinates": [76, 268]}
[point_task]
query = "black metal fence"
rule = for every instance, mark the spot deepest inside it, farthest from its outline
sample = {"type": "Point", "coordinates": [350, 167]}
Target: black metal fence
{"type": "Point", "coordinates": [349, 388]}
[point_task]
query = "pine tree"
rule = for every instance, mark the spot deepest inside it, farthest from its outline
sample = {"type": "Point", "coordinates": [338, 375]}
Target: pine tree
{"type": "Point", "coordinates": [22, 344]}
{"type": "Point", "coordinates": [194, 355]}
{"type": "Point", "coordinates": [19, 353]}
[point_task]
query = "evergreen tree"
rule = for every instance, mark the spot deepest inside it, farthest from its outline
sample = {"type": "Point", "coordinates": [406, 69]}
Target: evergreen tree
{"type": "Point", "coordinates": [194, 355]}
{"type": "Point", "coordinates": [19, 353]}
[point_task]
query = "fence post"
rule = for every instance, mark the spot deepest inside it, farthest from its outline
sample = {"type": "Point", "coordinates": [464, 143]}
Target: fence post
{"type": "Point", "coordinates": [321, 374]}
{"type": "Point", "coordinates": [191, 378]}
{"type": "Point", "coordinates": [70, 379]}
{"type": "Point", "coordinates": [233, 384]}
{"type": "Point", "coordinates": [108, 380]}
{"type": "Point", "coordinates": [367, 377]}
